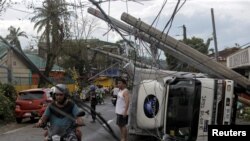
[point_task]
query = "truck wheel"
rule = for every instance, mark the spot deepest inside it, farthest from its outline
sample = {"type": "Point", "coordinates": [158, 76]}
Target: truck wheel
{"type": "Point", "coordinates": [18, 120]}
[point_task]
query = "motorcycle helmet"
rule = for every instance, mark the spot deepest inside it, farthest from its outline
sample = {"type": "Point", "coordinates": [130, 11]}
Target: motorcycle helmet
{"type": "Point", "coordinates": [92, 88]}
{"type": "Point", "coordinates": [60, 88]}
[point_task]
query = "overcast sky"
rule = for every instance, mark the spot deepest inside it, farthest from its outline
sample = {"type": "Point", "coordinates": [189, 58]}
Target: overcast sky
{"type": "Point", "coordinates": [231, 19]}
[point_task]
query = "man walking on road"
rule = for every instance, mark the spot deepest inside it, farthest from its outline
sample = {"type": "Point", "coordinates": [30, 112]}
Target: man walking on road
{"type": "Point", "coordinates": [93, 102]}
{"type": "Point", "coordinates": [121, 109]}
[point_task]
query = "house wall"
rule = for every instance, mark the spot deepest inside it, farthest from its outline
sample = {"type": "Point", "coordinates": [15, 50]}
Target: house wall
{"type": "Point", "coordinates": [3, 75]}
{"type": "Point", "coordinates": [3, 71]}
{"type": "Point", "coordinates": [57, 76]}
{"type": "Point", "coordinates": [105, 82]}
{"type": "Point", "coordinates": [239, 59]}
{"type": "Point", "coordinates": [21, 74]}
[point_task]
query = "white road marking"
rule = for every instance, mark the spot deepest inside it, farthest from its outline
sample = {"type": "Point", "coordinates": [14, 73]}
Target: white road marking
{"type": "Point", "coordinates": [109, 121]}
{"type": "Point", "coordinates": [97, 132]}
{"type": "Point", "coordinates": [13, 131]}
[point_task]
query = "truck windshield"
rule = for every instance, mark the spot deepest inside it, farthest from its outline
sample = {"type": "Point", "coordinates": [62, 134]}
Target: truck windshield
{"type": "Point", "coordinates": [183, 109]}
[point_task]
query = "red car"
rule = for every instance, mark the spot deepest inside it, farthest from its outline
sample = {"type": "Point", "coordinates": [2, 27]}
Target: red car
{"type": "Point", "coordinates": [32, 103]}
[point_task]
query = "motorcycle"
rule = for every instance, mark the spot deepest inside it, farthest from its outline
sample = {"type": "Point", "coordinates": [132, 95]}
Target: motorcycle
{"type": "Point", "coordinates": [59, 134]}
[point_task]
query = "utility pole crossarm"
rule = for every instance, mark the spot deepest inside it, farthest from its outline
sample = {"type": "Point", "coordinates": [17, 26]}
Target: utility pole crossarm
{"type": "Point", "coordinates": [122, 58]}
{"type": "Point", "coordinates": [219, 69]}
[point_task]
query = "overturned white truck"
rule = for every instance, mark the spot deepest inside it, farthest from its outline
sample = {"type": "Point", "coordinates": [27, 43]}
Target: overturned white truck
{"type": "Point", "coordinates": [171, 105]}
{"type": "Point", "coordinates": [178, 105]}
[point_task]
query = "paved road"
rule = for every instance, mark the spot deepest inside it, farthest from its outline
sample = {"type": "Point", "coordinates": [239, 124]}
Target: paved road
{"type": "Point", "coordinates": [91, 132]}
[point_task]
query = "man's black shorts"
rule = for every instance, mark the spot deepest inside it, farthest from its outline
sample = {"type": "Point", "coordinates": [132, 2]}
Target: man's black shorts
{"type": "Point", "coordinates": [121, 120]}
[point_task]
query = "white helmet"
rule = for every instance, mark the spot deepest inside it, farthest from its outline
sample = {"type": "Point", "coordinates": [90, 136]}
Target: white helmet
{"type": "Point", "coordinates": [60, 88]}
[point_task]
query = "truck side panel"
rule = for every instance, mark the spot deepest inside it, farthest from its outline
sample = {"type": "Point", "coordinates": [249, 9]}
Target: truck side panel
{"type": "Point", "coordinates": [206, 105]}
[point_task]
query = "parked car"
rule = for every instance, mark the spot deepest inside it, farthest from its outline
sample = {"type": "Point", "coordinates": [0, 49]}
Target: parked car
{"type": "Point", "coordinates": [32, 103]}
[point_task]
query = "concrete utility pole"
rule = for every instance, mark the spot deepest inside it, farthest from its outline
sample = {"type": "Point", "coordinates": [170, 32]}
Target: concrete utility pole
{"type": "Point", "coordinates": [219, 69]}
{"type": "Point", "coordinates": [184, 33]}
{"type": "Point", "coordinates": [214, 35]}
{"type": "Point", "coordinates": [177, 54]}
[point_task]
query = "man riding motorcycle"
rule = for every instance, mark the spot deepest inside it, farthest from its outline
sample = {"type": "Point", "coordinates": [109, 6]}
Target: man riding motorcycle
{"type": "Point", "coordinates": [58, 113]}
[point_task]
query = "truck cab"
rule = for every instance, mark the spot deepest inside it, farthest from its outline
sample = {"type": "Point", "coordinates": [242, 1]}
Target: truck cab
{"type": "Point", "coordinates": [181, 108]}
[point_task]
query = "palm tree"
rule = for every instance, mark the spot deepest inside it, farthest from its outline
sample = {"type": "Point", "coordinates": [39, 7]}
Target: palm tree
{"type": "Point", "coordinates": [13, 36]}
{"type": "Point", "coordinates": [52, 17]}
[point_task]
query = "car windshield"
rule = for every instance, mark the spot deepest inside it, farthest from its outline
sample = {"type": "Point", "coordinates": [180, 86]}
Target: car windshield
{"type": "Point", "coordinates": [31, 95]}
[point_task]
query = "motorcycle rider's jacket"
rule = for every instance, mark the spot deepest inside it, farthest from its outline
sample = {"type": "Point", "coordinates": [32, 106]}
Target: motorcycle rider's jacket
{"type": "Point", "coordinates": [67, 109]}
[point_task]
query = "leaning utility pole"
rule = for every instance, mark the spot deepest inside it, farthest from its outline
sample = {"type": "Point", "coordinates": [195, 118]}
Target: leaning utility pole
{"type": "Point", "coordinates": [219, 69]}
{"type": "Point", "coordinates": [177, 54]}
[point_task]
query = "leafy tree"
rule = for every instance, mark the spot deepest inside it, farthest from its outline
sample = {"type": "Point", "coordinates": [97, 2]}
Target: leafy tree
{"type": "Point", "coordinates": [6, 113]}
{"type": "Point", "coordinates": [13, 36]}
{"type": "Point", "coordinates": [75, 54]}
{"type": "Point", "coordinates": [53, 18]}
{"type": "Point", "coordinates": [9, 91]}
{"type": "Point", "coordinates": [7, 102]}
{"type": "Point", "coordinates": [194, 42]}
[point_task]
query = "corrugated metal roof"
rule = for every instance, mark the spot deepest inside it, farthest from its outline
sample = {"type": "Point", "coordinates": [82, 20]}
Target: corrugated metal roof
{"type": "Point", "coordinates": [41, 63]}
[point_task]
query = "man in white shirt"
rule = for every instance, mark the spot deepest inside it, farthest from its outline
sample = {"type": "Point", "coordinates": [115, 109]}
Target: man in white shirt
{"type": "Point", "coordinates": [115, 90]}
{"type": "Point", "coordinates": [121, 109]}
